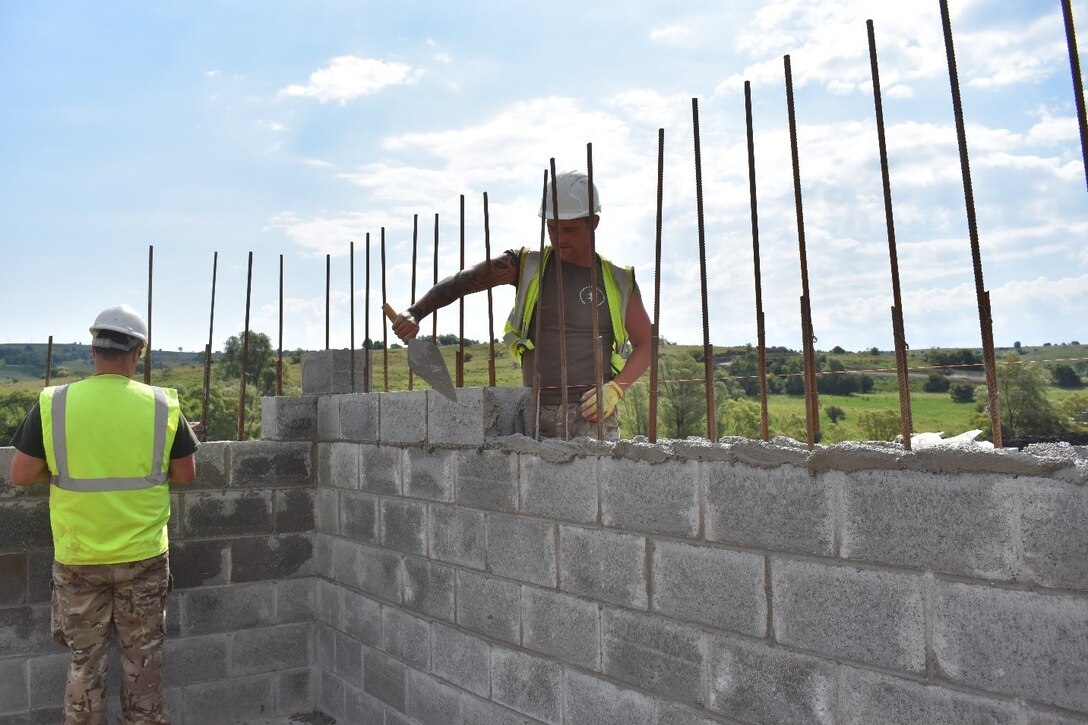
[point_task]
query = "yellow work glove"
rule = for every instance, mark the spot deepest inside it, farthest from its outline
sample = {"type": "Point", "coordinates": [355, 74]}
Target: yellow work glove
{"type": "Point", "coordinates": [612, 393]}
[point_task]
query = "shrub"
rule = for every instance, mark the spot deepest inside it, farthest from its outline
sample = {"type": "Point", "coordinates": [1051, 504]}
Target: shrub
{"type": "Point", "coordinates": [963, 393]}
{"type": "Point", "coordinates": [937, 383]}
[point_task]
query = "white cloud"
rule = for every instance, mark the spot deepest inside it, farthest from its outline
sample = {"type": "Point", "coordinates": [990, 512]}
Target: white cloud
{"type": "Point", "coordinates": [677, 35]}
{"type": "Point", "coordinates": [347, 77]}
{"type": "Point", "coordinates": [275, 126]}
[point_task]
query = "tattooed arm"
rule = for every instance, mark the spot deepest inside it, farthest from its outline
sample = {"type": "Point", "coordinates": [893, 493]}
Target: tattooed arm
{"type": "Point", "coordinates": [485, 275]}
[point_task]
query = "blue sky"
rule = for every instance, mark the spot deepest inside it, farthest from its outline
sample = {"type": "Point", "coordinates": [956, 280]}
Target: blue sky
{"type": "Point", "coordinates": [289, 128]}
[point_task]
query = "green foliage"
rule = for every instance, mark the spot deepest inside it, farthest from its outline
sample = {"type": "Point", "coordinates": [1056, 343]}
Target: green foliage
{"type": "Point", "coordinates": [953, 358]}
{"type": "Point", "coordinates": [13, 408]}
{"type": "Point", "coordinates": [1064, 376]}
{"type": "Point", "coordinates": [835, 413]}
{"type": "Point", "coordinates": [791, 425]}
{"type": "Point", "coordinates": [937, 383]}
{"type": "Point", "coordinates": [962, 393]}
{"type": "Point", "coordinates": [635, 411]}
{"type": "Point", "coordinates": [740, 418]}
{"type": "Point", "coordinates": [260, 362]}
{"type": "Point", "coordinates": [1074, 410]}
{"type": "Point", "coordinates": [682, 402]}
{"type": "Point", "coordinates": [1021, 391]}
{"type": "Point", "coordinates": [880, 425]}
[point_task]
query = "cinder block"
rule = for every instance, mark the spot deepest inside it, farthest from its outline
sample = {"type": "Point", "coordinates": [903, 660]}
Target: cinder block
{"type": "Point", "coordinates": [662, 497]}
{"type": "Point", "coordinates": [329, 371]}
{"type": "Point", "coordinates": [380, 469]}
{"type": "Point", "coordinates": [429, 474]}
{"type": "Point", "coordinates": [402, 417]}
{"type": "Point", "coordinates": [323, 555]}
{"type": "Point", "coordinates": [383, 678]}
{"type": "Point", "coordinates": [603, 565]}
{"type": "Point", "coordinates": [294, 691]}
{"type": "Point", "coordinates": [754, 682]}
{"type": "Point", "coordinates": [271, 557]}
{"type": "Point", "coordinates": [489, 606]}
{"type": "Point", "coordinates": [13, 685]}
{"type": "Point", "coordinates": [338, 465]}
{"type": "Point", "coordinates": [211, 465]}
{"type": "Point", "coordinates": [347, 657]}
{"type": "Point", "coordinates": [522, 548]}
{"type": "Point", "coordinates": [25, 630]}
{"type": "Point", "coordinates": [717, 587]}
{"type": "Point", "coordinates": [958, 524]}
{"type": "Point", "coordinates": [461, 658]}
{"type": "Point", "coordinates": [428, 588]}
{"type": "Point", "coordinates": [224, 609]}
{"type": "Point", "coordinates": [331, 694]}
{"type": "Point", "coordinates": [327, 510]}
{"type": "Point", "coordinates": [861, 614]}
{"type": "Point", "coordinates": [406, 637]}
{"type": "Point", "coordinates": [530, 685]}
{"type": "Point", "coordinates": [296, 600]}
{"type": "Point", "coordinates": [270, 649]}
{"type": "Point", "coordinates": [670, 713]}
{"type": "Point", "coordinates": [24, 524]}
{"type": "Point", "coordinates": [199, 563]}
{"type": "Point", "coordinates": [48, 676]}
{"type": "Point", "coordinates": [404, 526]}
{"type": "Point", "coordinates": [359, 707]}
{"type": "Point", "coordinates": [602, 703]}
{"type": "Point", "coordinates": [13, 581]}
{"type": "Point", "coordinates": [868, 697]}
{"type": "Point", "coordinates": [266, 464]}
{"type": "Point", "coordinates": [289, 419]}
{"type": "Point", "coordinates": [227, 513]}
{"type": "Point", "coordinates": [1053, 526]}
{"type": "Point", "coordinates": [359, 517]}
{"type": "Point", "coordinates": [477, 415]}
{"type": "Point", "coordinates": [1013, 642]}
{"type": "Point", "coordinates": [653, 653]}
{"type": "Point", "coordinates": [327, 604]}
{"type": "Point", "coordinates": [360, 617]}
{"type": "Point", "coordinates": [39, 563]}
{"type": "Point", "coordinates": [325, 647]}
{"type": "Point", "coordinates": [234, 700]}
{"type": "Point", "coordinates": [294, 510]}
{"type": "Point", "coordinates": [800, 520]}
{"type": "Point", "coordinates": [475, 711]}
{"type": "Point", "coordinates": [328, 418]}
{"type": "Point", "coordinates": [429, 701]}
{"type": "Point", "coordinates": [368, 568]}
{"type": "Point", "coordinates": [457, 536]}
{"type": "Point", "coordinates": [561, 626]}
{"type": "Point", "coordinates": [359, 417]}
{"type": "Point", "coordinates": [566, 491]}
{"type": "Point", "coordinates": [487, 479]}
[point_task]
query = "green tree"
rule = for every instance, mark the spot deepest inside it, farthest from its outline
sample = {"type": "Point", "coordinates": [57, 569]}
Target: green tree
{"type": "Point", "coordinates": [634, 410]}
{"type": "Point", "coordinates": [835, 413]}
{"type": "Point", "coordinates": [741, 418]}
{"type": "Point", "coordinates": [1064, 376]}
{"type": "Point", "coordinates": [682, 402]}
{"type": "Point", "coordinates": [260, 362]}
{"type": "Point", "coordinates": [880, 425]}
{"type": "Point", "coordinates": [962, 393]}
{"type": "Point", "coordinates": [1021, 391]}
{"type": "Point", "coordinates": [1075, 411]}
{"type": "Point", "coordinates": [937, 383]}
{"type": "Point", "coordinates": [13, 408]}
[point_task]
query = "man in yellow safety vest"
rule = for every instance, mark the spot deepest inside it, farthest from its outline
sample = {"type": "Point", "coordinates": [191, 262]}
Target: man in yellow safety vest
{"type": "Point", "coordinates": [109, 446]}
{"type": "Point", "coordinates": [533, 329]}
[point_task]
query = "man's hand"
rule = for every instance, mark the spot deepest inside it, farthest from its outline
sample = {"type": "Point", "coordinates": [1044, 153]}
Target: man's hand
{"type": "Point", "coordinates": [405, 326]}
{"type": "Point", "coordinates": [611, 393]}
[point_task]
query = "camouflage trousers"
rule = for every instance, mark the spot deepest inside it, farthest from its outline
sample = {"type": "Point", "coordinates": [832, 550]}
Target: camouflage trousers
{"type": "Point", "coordinates": [551, 423]}
{"type": "Point", "coordinates": [129, 599]}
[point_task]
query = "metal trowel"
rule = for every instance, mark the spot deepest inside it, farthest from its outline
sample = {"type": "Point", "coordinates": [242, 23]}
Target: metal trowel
{"type": "Point", "coordinates": [427, 362]}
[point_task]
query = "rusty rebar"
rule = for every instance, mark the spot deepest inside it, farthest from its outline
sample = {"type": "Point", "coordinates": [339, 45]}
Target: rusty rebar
{"type": "Point", "coordinates": [415, 249]}
{"type": "Point", "coordinates": [385, 324]}
{"type": "Point", "coordinates": [490, 299]}
{"type": "Point", "coordinates": [985, 322]}
{"type": "Point", "coordinates": [208, 354]}
{"type": "Point", "coordinates": [279, 344]}
{"type": "Point", "coordinates": [708, 349]}
{"type": "Point", "coordinates": [898, 332]}
{"type": "Point", "coordinates": [761, 329]}
{"type": "Point", "coordinates": [49, 361]}
{"type": "Point", "coordinates": [366, 322]}
{"type": "Point", "coordinates": [328, 296]}
{"type": "Point", "coordinates": [812, 400]}
{"type": "Point", "coordinates": [558, 254]}
{"type": "Point", "coordinates": [536, 305]}
{"type": "Point", "coordinates": [150, 279]}
{"type": "Point", "coordinates": [1078, 84]}
{"type": "Point", "coordinates": [594, 298]}
{"type": "Point", "coordinates": [351, 310]}
{"type": "Point", "coordinates": [655, 332]}
{"type": "Point", "coordinates": [245, 354]}
{"type": "Point", "coordinates": [461, 307]}
{"type": "Point", "coordinates": [434, 315]}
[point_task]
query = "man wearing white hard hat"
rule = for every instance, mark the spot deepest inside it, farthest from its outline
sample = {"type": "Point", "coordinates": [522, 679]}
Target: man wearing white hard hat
{"type": "Point", "coordinates": [109, 447]}
{"type": "Point", "coordinates": [534, 338]}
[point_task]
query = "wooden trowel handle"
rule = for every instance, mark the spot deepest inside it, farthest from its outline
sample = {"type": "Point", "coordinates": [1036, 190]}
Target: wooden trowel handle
{"type": "Point", "coordinates": [389, 312]}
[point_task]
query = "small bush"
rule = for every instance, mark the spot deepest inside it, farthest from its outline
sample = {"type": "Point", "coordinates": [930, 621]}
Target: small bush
{"type": "Point", "coordinates": [963, 393]}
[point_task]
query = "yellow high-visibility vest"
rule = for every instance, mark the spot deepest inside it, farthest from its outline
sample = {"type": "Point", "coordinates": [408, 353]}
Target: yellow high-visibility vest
{"type": "Point", "coordinates": [619, 285]}
{"type": "Point", "coordinates": [107, 442]}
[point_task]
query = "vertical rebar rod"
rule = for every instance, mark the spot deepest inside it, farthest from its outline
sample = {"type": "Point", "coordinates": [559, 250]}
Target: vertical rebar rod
{"type": "Point", "coordinates": [367, 347]}
{"type": "Point", "coordinates": [594, 298]}
{"type": "Point", "coordinates": [558, 254]}
{"type": "Point", "coordinates": [708, 349]}
{"type": "Point", "coordinates": [1078, 84]}
{"type": "Point", "coordinates": [245, 354]}
{"type": "Point", "coordinates": [655, 333]}
{"type": "Point", "coordinates": [208, 354]}
{"type": "Point", "coordinates": [812, 401]}
{"type": "Point", "coordinates": [150, 278]}
{"type": "Point", "coordinates": [415, 249]}
{"type": "Point", "coordinates": [385, 326]}
{"type": "Point", "coordinates": [351, 309]}
{"type": "Point", "coordinates": [49, 361]}
{"type": "Point", "coordinates": [434, 315]}
{"type": "Point", "coordinates": [328, 295]}
{"type": "Point", "coordinates": [461, 307]}
{"type": "Point", "coordinates": [984, 319]}
{"type": "Point", "coordinates": [898, 332]}
{"type": "Point", "coordinates": [761, 329]}
{"type": "Point", "coordinates": [536, 305]}
{"type": "Point", "coordinates": [279, 345]}
{"type": "Point", "coordinates": [490, 299]}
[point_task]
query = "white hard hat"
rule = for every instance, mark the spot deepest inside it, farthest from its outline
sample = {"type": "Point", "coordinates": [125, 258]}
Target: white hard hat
{"type": "Point", "coordinates": [122, 319]}
{"type": "Point", "coordinates": [572, 191]}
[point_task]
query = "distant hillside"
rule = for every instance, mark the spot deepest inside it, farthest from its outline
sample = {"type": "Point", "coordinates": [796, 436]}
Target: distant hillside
{"type": "Point", "coordinates": [19, 362]}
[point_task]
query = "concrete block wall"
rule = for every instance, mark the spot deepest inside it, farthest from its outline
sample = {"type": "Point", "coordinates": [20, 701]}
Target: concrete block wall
{"type": "Point", "coordinates": [468, 578]}
{"type": "Point", "coordinates": [240, 621]}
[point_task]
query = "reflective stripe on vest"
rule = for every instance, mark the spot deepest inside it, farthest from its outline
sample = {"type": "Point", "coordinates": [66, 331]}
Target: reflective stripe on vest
{"type": "Point", "coordinates": [619, 284]}
{"type": "Point", "coordinates": [63, 478]}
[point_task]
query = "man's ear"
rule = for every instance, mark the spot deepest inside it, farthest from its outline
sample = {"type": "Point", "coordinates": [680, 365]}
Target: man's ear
{"type": "Point", "coordinates": [596, 220]}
